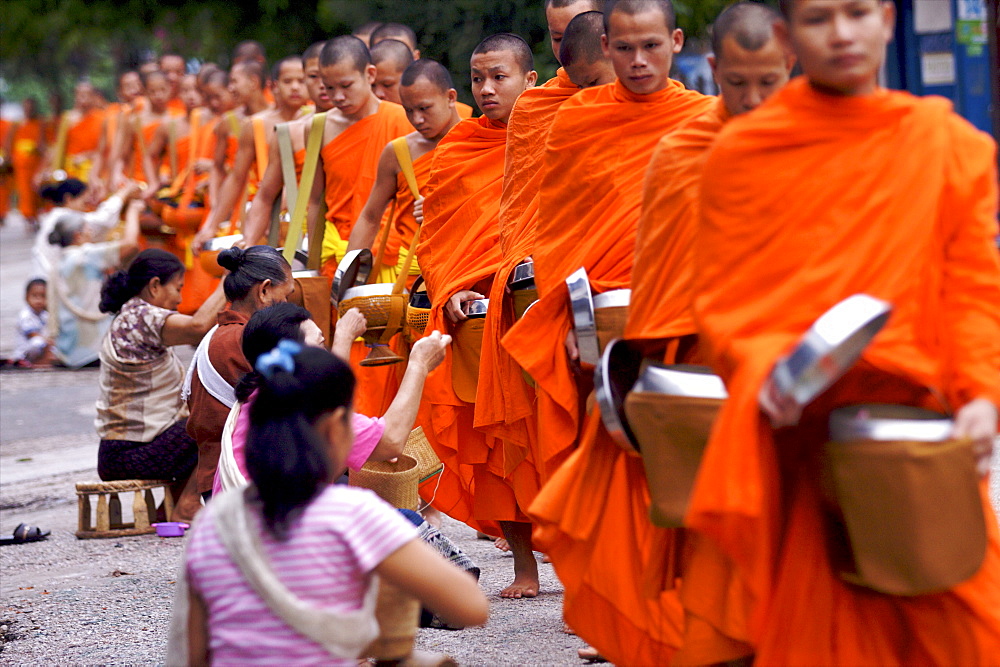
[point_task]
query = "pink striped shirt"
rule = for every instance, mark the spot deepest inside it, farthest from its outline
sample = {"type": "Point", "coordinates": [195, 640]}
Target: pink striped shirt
{"type": "Point", "coordinates": [327, 559]}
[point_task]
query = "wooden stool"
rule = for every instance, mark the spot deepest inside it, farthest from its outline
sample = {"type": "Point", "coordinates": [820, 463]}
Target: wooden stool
{"type": "Point", "coordinates": [109, 510]}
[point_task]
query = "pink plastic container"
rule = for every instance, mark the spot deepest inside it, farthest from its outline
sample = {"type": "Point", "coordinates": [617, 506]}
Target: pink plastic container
{"type": "Point", "coordinates": [170, 528]}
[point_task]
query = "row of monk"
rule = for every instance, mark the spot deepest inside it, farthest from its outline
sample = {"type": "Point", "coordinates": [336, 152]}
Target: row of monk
{"type": "Point", "coordinates": [735, 221]}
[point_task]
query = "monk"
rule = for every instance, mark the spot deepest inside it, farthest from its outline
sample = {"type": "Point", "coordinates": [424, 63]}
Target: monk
{"type": "Point", "coordinates": [250, 51]}
{"type": "Point", "coordinates": [390, 57]}
{"type": "Point", "coordinates": [837, 151]}
{"type": "Point", "coordinates": [133, 142]}
{"type": "Point", "coordinates": [259, 216]}
{"type": "Point", "coordinates": [581, 54]}
{"type": "Point", "coordinates": [129, 92]}
{"type": "Point", "coordinates": [290, 94]}
{"type": "Point", "coordinates": [26, 151]}
{"type": "Point", "coordinates": [429, 100]}
{"type": "Point", "coordinates": [6, 143]}
{"type": "Point", "coordinates": [78, 134]}
{"type": "Point", "coordinates": [365, 30]}
{"type": "Point", "coordinates": [460, 255]}
{"type": "Point", "coordinates": [750, 64]}
{"type": "Point", "coordinates": [397, 31]}
{"type": "Point", "coordinates": [223, 109]}
{"type": "Point", "coordinates": [174, 67]}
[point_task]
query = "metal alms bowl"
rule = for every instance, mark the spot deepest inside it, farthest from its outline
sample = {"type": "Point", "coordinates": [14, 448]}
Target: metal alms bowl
{"type": "Point", "coordinates": [353, 270]}
{"type": "Point", "coordinates": [582, 303]}
{"type": "Point", "coordinates": [616, 298]}
{"type": "Point", "coordinates": [830, 347]}
{"type": "Point", "coordinates": [680, 380]}
{"type": "Point", "coordinates": [523, 276]}
{"type": "Point", "coordinates": [614, 377]}
{"type": "Point", "coordinates": [220, 243]}
{"type": "Point", "coordinates": [888, 423]}
{"type": "Point", "coordinates": [375, 289]}
{"type": "Point", "coordinates": [476, 309]}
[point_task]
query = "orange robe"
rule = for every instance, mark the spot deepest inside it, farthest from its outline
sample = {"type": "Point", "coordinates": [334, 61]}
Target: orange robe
{"type": "Point", "coordinates": [350, 165]}
{"type": "Point", "coordinates": [139, 149]}
{"type": "Point", "coordinates": [82, 141]}
{"type": "Point", "coordinates": [464, 110]}
{"type": "Point", "coordinates": [591, 192]}
{"type": "Point", "coordinates": [5, 127]}
{"type": "Point", "coordinates": [27, 160]}
{"type": "Point", "coordinates": [846, 209]}
{"type": "Point", "coordinates": [505, 403]}
{"type": "Point", "coordinates": [593, 513]}
{"type": "Point", "coordinates": [459, 250]}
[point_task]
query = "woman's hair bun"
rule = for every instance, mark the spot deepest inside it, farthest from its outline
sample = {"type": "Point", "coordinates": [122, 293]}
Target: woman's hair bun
{"type": "Point", "coordinates": [232, 258]}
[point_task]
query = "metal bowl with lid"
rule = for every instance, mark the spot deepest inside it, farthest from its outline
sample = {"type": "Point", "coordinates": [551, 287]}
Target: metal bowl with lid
{"type": "Point", "coordinates": [680, 380]}
{"type": "Point", "coordinates": [476, 309]}
{"type": "Point", "coordinates": [582, 304]}
{"type": "Point", "coordinates": [352, 271]}
{"type": "Point", "coordinates": [888, 423]}
{"type": "Point", "coordinates": [614, 377]}
{"type": "Point", "coordinates": [523, 275]}
{"type": "Point", "coordinates": [830, 347]}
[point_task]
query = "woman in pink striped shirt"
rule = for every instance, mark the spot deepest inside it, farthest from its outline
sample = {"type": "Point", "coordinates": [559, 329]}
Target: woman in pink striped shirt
{"type": "Point", "coordinates": [282, 572]}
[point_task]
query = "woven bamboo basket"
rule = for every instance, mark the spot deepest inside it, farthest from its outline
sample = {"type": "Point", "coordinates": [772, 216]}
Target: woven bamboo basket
{"type": "Point", "coordinates": [419, 448]}
{"type": "Point", "coordinates": [393, 481]}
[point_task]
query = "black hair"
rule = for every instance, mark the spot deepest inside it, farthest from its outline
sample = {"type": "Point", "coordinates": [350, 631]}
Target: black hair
{"type": "Point", "coordinates": [581, 40]}
{"type": "Point", "coordinates": [312, 53]}
{"type": "Point", "coordinates": [393, 31]}
{"type": "Point", "coordinates": [33, 283]}
{"type": "Point", "coordinates": [121, 286]}
{"type": "Point", "coordinates": [505, 41]}
{"type": "Point", "coordinates": [276, 67]}
{"type": "Point", "coordinates": [250, 267]}
{"type": "Point", "coordinates": [266, 328]}
{"type": "Point", "coordinates": [751, 24]}
{"type": "Point", "coordinates": [58, 192]}
{"type": "Point", "coordinates": [595, 5]}
{"type": "Point", "coordinates": [66, 228]}
{"type": "Point", "coordinates": [345, 47]}
{"type": "Point", "coordinates": [633, 7]}
{"type": "Point", "coordinates": [428, 69]}
{"type": "Point", "coordinates": [286, 458]}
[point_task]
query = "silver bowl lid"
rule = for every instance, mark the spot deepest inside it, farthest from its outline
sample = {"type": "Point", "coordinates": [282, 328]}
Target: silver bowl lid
{"type": "Point", "coordinates": [830, 347]}
{"type": "Point", "coordinates": [582, 303]}
{"type": "Point", "coordinates": [419, 298]}
{"type": "Point", "coordinates": [374, 289]}
{"type": "Point", "coordinates": [888, 423]}
{"type": "Point", "coordinates": [523, 275]}
{"type": "Point", "coordinates": [221, 242]}
{"type": "Point", "coordinates": [616, 298]}
{"type": "Point", "coordinates": [353, 270]}
{"type": "Point", "coordinates": [476, 309]}
{"type": "Point", "coordinates": [680, 380]}
{"type": "Point", "coordinates": [614, 377]}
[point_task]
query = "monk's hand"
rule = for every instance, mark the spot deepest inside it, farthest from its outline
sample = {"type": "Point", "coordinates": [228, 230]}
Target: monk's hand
{"type": "Point", "coordinates": [204, 235]}
{"type": "Point", "coordinates": [572, 348]}
{"type": "Point", "coordinates": [428, 352]}
{"type": "Point", "coordinates": [781, 409]}
{"type": "Point", "coordinates": [203, 166]}
{"type": "Point", "coordinates": [453, 307]}
{"type": "Point", "coordinates": [351, 325]}
{"type": "Point", "coordinates": [977, 421]}
{"type": "Point", "coordinates": [418, 210]}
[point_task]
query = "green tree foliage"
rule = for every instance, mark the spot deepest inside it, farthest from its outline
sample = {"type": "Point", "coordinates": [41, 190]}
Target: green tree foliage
{"type": "Point", "coordinates": [54, 42]}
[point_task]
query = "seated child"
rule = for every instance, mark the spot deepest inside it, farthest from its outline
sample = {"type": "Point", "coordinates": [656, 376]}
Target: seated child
{"type": "Point", "coordinates": [33, 348]}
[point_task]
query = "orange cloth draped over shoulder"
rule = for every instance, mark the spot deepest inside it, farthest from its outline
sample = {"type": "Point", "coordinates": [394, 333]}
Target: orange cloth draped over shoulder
{"type": "Point", "coordinates": [26, 156]}
{"type": "Point", "coordinates": [459, 250]}
{"type": "Point", "coordinates": [828, 223]}
{"type": "Point", "coordinates": [350, 165]}
{"type": "Point", "coordinates": [591, 193]}
{"type": "Point", "coordinates": [403, 222]}
{"type": "Point", "coordinates": [82, 141]}
{"type": "Point", "coordinates": [505, 402]}
{"type": "Point", "coordinates": [593, 514]}
{"type": "Point", "coordinates": [464, 110]}
{"type": "Point", "coordinates": [139, 149]}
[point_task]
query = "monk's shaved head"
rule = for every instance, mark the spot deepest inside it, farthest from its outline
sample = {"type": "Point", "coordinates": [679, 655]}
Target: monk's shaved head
{"type": "Point", "coordinates": [312, 53]}
{"type": "Point", "coordinates": [595, 5]}
{"type": "Point", "coordinates": [393, 52]}
{"type": "Point", "coordinates": [345, 48]}
{"type": "Point", "coordinates": [249, 51]}
{"type": "Point", "coordinates": [218, 77]}
{"type": "Point", "coordinates": [365, 30]}
{"type": "Point", "coordinates": [276, 67]}
{"type": "Point", "coordinates": [633, 7]}
{"type": "Point", "coordinates": [147, 77]}
{"type": "Point", "coordinates": [581, 43]}
{"type": "Point", "coordinates": [431, 70]}
{"type": "Point", "coordinates": [403, 33]}
{"type": "Point", "coordinates": [506, 41]}
{"type": "Point", "coordinates": [751, 24]}
{"type": "Point", "coordinates": [252, 70]}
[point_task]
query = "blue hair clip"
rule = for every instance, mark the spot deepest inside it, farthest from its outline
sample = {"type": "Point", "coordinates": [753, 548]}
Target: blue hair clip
{"type": "Point", "coordinates": [283, 356]}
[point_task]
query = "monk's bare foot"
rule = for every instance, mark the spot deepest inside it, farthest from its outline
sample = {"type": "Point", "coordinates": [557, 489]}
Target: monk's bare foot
{"type": "Point", "coordinates": [590, 654]}
{"type": "Point", "coordinates": [501, 544]}
{"type": "Point", "coordinates": [431, 516]}
{"type": "Point", "coordinates": [568, 630]}
{"type": "Point", "coordinates": [480, 535]}
{"type": "Point", "coordinates": [546, 559]}
{"type": "Point", "coordinates": [523, 587]}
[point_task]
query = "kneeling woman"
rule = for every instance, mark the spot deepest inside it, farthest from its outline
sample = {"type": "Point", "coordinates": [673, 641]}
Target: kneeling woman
{"type": "Point", "coordinates": [293, 559]}
{"type": "Point", "coordinates": [140, 415]}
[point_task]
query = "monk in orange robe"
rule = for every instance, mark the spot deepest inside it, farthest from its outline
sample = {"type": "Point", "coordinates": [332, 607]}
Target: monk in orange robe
{"type": "Point", "coordinates": [623, 615]}
{"type": "Point", "coordinates": [270, 188]}
{"type": "Point", "coordinates": [129, 93]}
{"type": "Point", "coordinates": [289, 88]}
{"type": "Point", "coordinates": [78, 134]}
{"type": "Point", "coordinates": [356, 130]}
{"type": "Point", "coordinates": [390, 57]}
{"type": "Point", "coordinates": [173, 66]}
{"type": "Point", "coordinates": [837, 152]}
{"type": "Point", "coordinates": [132, 151]}
{"type": "Point", "coordinates": [460, 254]}
{"type": "Point", "coordinates": [26, 151]}
{"type": "Point", "coordinates": [6, 141]}
{"type": "Point", "coordinates": [223, 108]}
{"type": "Point", "coordinates": [589, 200]}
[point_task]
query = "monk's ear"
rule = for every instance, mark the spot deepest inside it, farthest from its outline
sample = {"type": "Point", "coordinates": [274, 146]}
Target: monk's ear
{"type": "Point", "coordinates": [370, 73]}
{"type": "Point", "coordinates": [529, 81]}
{"type": "Point", "coordinates": [888, 20]}
{"type": "Point", "coordinates": [452, 96]}
{"type": "Point", "coordinates": [416, 54]}
{"type": "Point", "coordinates": [714, 64]}
{"type": "Point", "coordinates": [784, 37]}
{"type": "Point", "coordinates": [678, 39]}
{"type": "Point", "coordinates": [606, 46]}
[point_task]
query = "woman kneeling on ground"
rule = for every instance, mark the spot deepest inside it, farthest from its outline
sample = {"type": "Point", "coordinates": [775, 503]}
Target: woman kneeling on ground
{"type": "Point", "coordinates": [141, 417]}
{"type": "Point", "coordinates": [297, 543]}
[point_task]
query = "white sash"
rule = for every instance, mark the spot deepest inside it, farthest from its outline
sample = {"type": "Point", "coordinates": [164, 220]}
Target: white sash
{"type": "Point", "coordinates": [214, 383]}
